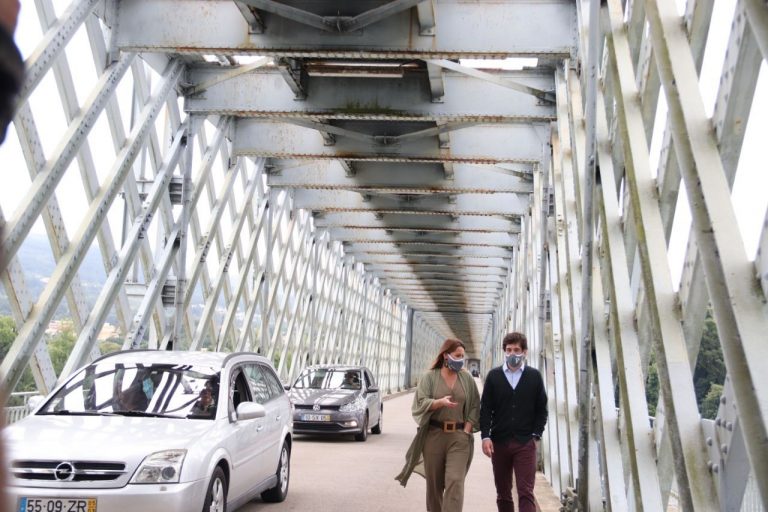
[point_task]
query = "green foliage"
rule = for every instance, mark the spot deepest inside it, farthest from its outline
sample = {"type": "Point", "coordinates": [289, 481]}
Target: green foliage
{"type": "Point", "coordinates": [652, 386]}
{"type": "Point", "coordinates": [711, 401]}
{"type": "Point", "coordinates": [60, 346]}
{"type": "Point", "coordinates": [710, 366]}
{"type": "Point", "coordinates": [8, 333]}
{"type": "Point", "coordinates": [708, 376]}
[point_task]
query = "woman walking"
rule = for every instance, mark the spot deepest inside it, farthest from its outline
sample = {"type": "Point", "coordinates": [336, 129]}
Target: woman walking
{"type": "Point", "coordinates": [446, 407]}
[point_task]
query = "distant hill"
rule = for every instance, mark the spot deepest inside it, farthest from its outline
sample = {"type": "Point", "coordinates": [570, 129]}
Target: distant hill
{"type": "Point", "coordinates": [37, 260]}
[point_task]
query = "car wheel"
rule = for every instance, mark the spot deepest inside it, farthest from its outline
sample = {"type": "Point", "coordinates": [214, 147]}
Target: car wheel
{"type": "Point", "coordinates": [363, 435]}
{"type": "Point", "coordinates": [216, 497]}
{"type": "Point", "coordinates": [377, 428]}
{"type": "Point", "coordinates": [278, 493]}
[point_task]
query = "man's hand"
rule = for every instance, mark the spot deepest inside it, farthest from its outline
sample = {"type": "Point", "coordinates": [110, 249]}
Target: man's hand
{"type": "Point", "coordinates": [487, 447]}
{"type": "Point", "coordinates": [9, 15]}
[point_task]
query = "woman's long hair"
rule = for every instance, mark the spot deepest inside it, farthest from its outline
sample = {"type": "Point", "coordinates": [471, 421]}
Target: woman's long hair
{"type": "Point", "coordinates": [449, 345]}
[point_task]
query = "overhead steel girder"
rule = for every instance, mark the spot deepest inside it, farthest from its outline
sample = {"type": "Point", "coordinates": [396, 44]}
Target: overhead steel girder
{"type": "Point", "coordinates": [464, 204]}
{"type": "Point", "coordinates": [438, 276]}
{"type": "Point", "coordinates": [405, 221]}
{"type": "Point", "coordinates": [515, 143]}
{"type": "Point", "coordinates": [427, 269]}
{"type": "Point", "coordinates": [396, 177]}
{"type": "Point", "coordinates": [464, 239]}
{"type": "Point", "coordinates": [448, 261]}
{"type": "Point", "coordinates": [485, 289]}
{"type": "Point", "coordinates": [545, 29]}
{"type": "Point", "coordinates": [264, 93]}
{"type": "Point", "coordinates": [363, 14]}
{"type": "Point", "coordinates": [453, 251]}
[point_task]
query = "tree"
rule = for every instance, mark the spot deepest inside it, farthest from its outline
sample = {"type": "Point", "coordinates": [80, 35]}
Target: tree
{"type": "Point", "coordinates": [60, 346]}
{"type": "Point", "coordinates": [8, 333]}
{"type": "Point", "coordinates": [652, 386]}
{"type": "Point", "coordinates": [711, 402]}
{"type": "Point", "coordinates": [710, 366]}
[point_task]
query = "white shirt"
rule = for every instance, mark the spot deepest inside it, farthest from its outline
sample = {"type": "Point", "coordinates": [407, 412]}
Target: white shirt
{"type": "Point", "coordinates": [513, 376]}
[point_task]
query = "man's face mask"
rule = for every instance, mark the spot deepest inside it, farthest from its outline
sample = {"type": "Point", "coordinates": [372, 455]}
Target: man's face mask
{"type": "Point", "coordinates": [454, 364]}
{"type": "Point", "coordinates": [515, 360]}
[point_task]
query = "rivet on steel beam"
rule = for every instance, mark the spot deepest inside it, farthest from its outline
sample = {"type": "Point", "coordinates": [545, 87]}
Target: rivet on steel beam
{"type": "Point", "coordinates": [709, 441]}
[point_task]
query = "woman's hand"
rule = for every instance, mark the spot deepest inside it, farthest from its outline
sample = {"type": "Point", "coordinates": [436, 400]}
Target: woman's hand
{"type": "Point", "coordinates": [443, 402]}
{"type": "Point", "coordinates": [447, 402]}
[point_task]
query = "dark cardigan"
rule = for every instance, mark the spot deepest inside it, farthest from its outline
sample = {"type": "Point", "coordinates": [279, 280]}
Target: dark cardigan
{"type": "Point", "coordinates": [507, 413]}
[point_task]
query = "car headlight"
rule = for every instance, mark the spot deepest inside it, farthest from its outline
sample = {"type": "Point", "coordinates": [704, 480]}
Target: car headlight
{"type": "Point", "coordinates": [160, 468]}
{"type": "Point", "coordinates": [357, 405]}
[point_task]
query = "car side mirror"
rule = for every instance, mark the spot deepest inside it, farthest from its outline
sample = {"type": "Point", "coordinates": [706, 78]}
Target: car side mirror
{"type": "Point", "coordinates": [250, 410]}
{"type": "Point", "coordinates": [287, 387]}
{"type": "Point", "coordinates": [373, 389]}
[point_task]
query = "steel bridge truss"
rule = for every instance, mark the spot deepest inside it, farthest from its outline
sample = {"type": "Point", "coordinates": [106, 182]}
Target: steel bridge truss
{"type": "Point", "coordinates": [330, 184]}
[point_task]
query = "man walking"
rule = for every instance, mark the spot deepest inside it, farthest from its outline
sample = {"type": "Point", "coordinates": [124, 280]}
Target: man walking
{"type": "Point", "coordinates": [513, 412]}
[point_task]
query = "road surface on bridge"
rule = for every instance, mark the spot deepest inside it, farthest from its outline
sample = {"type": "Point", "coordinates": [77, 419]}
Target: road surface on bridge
{"type": "Point", "coordinates": [338, 474]}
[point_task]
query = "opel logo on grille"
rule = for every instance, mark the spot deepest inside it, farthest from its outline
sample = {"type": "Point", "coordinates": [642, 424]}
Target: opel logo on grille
{"type": "Point", "coordinates": [315, 407]}
{"type": "Point", "coordinates": [64, 472]}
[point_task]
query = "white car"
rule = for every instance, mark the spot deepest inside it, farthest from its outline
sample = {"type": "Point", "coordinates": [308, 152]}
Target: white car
{"type": "Point", "coordinates": [155, 431]}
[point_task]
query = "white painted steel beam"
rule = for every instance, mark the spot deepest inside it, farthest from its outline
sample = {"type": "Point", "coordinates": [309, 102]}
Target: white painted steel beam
{"type": "Point", "coordinates": [394, 177]}
{"type": "Point", "coordinates": [464, 239]}
{"type": "Point", "coordinates": [740, 318]}
{"type": "Point", "coordinates": [480, 145]}
{"type": "Point", "coordinates": [245, 91]}
{"type": "Point", "coordinates": [511, 205]}
{"type": "Point", "coordinates": [397, 221]}
{"type": "Point", "coordinates": [541, 29]}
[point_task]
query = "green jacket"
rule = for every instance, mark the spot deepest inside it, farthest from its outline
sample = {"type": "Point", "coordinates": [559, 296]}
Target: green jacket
{"type": "Point", "coordinates": [422, 401]}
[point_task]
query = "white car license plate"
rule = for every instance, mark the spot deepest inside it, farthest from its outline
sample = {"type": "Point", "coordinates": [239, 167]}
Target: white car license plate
{"type": "Point", "coordinates": [57, 505]}
{"type": "Point", "coordinates": [316, 417]}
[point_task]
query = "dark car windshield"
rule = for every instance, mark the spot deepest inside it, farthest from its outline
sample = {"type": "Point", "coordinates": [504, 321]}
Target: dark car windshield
{"type": "Point", "coordinates": [328, 378]}
{"type": "Point", "coordinates": [165, 390]}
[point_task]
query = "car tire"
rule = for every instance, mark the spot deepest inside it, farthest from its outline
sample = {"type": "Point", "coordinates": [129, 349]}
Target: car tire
{"type": "Point", "coordinates": [216, 497]}
{"type": "Point", "coordinates": [279, 492]}
{"type": "Point", "coordinates": [363, 435]}
{"type": "Point", "coordinates": [377, 428]}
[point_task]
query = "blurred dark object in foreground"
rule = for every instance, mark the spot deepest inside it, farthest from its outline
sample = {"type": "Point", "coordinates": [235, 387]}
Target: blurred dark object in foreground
{"type": "Point", "coordinates": [11, 75]}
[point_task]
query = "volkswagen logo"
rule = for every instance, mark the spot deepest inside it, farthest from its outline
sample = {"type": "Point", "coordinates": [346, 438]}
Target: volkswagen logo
{"type": "Point", "coordinates": [64, 472]}
{"type": "Point", "coordinates": [315, 407]}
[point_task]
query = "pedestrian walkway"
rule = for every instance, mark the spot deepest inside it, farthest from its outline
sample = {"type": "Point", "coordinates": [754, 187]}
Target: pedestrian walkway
{"type": "Point", "coordinates": [337, 474]}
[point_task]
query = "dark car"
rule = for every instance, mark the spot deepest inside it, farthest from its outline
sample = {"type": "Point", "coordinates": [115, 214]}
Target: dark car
{"type": "Point", "coordinates": [337, 399]}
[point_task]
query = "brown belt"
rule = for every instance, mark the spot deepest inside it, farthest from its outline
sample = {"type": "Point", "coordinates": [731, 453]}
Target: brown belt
{"type": "Point", "coordinates": [447, 426]}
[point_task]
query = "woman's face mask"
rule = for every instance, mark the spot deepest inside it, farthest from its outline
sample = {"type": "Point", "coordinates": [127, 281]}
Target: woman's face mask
{"type": "Point", "coordinates": [454, 364]}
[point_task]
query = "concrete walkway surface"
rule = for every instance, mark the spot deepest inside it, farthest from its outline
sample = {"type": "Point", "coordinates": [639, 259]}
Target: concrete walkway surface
{"type": "Point", "coordinates": [338, 474]}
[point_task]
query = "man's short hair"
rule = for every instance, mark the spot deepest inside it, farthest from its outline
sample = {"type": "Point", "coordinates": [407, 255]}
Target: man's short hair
{"type": "Point", "coordinates": [515, 338]}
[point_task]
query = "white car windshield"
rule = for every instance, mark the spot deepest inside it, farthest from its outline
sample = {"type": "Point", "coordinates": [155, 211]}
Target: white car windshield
{"type": "Point", "coordinates": [164, 390]}
{"type": "Point", "coordinates": [325, 378]}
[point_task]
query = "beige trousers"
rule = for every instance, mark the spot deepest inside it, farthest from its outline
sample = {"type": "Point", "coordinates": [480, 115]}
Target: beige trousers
{"type": "Point", "coordinates": [446, 456]}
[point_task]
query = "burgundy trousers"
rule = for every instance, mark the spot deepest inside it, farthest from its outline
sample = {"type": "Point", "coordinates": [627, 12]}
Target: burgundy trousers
{"type": "Point", "coordinates": [512, 456]}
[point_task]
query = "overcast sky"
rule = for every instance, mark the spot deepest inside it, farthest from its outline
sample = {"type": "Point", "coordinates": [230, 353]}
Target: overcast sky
{"type": "Point", "coordinates": [749, 194]}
